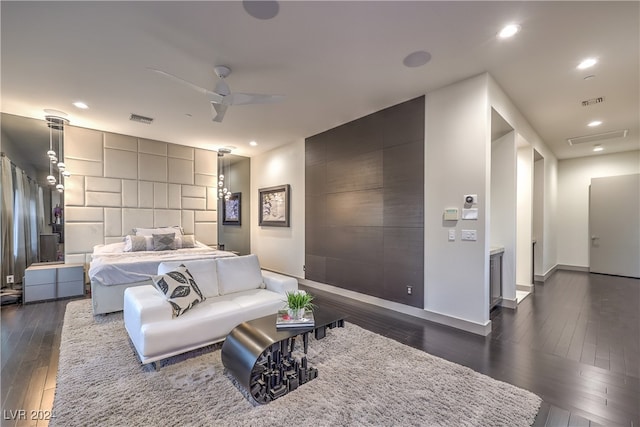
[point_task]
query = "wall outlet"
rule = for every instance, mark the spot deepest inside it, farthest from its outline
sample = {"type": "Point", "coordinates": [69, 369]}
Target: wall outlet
{"type": "Point", "coordinates": [10, 278]}
{"type": "Point", "coordinates": [470, 235]}
{"type": "Point", "coordinates": [409, 290]}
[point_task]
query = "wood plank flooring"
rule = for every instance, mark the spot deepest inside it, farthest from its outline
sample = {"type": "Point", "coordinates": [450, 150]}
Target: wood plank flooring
{"type": "Point", "coordinates": [574, 342]}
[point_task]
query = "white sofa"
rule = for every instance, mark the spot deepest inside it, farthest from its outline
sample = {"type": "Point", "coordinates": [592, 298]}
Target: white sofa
{"type": "Point", "coordinates": [236, 290]}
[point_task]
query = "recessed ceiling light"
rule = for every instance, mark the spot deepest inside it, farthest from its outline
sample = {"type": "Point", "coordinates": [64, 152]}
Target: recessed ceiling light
{"type": "Point", "coordinates": [417, 59]}
{"type": "Point", "coordinates": [589, 62]}
{"type": "Point", "coordinates": [263, 9]}
{"type": "Point", "coordinates": [598, 148]}
{"type": "Point", "coordinates": [509, 31]}
{"type": "Point", "coordinates": [81, 105]}
{"type": "Point", "coordinates": [253, 143]}
{"type": "Point", "coordinates": [594, 123]}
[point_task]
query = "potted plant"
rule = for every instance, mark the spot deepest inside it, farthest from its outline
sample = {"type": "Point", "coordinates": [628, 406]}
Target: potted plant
{"type": "Point", "coordinates": [298, 302]}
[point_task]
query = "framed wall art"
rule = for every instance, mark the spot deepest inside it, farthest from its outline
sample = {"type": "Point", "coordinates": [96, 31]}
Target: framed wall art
{"type": "Point", "coordinates": [231, 210]}
{"type": "Point", "coordinates": [273, 203]}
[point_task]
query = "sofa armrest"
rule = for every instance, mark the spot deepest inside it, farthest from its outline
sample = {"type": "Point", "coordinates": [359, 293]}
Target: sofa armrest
{"type": "Point", "coordinates": [145, 304]}
{"type": "Point", "coordinates": [279, 283]}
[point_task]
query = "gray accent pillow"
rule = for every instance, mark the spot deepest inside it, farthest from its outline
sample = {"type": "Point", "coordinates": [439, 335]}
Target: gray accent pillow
{"type": "Point", "coordinates": [189, 241]}
{"type": "Point", "coordinates": [135, 243]}
{"type": "Point", "coordinates": [180, 290]}
{"type": "Point", "coordinates": [164, 242]}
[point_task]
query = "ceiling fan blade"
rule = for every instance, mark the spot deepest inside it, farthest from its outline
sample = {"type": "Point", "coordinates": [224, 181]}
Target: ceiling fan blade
{"type": "Point", "coordinates": [220, 110]}
{"type": "Point", "coordinates": [182, 81]}
{"type": "Point", "coordinates": [254, 98]}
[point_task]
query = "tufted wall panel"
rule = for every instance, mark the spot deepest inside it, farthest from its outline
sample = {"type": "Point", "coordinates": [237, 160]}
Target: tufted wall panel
{"type": "Point", "coordinates": [120, 182]}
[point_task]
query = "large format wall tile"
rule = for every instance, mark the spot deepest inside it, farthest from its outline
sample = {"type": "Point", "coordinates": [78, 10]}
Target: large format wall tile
{"type": "Point", "coordinates": [83, 214]}
{"type": "Point", "coordinates": [121, 182]}
{"type": "Point", "coordinates": [152, 167]}
{"type": "Point", "coordinates": [180, 171]}
{"type": "Point", "coordinates": [112, 222]}
{"type": "Point", "coordinates": [82, 144]}
{"type": "Point", "coordinates": [364, 204]}
{"type": "Point", "coordinates": [120, 164]}
{"type": "Point", "coordinates": [206, 162]}
{"type": "Point", "coordinates": [152, 147]}
{"type": "Point", "coordinates": [180, 152]}
{"type": "Point", "coordinates": [81, 237]}
{"type": "Point", "coordinates": [120, 142]}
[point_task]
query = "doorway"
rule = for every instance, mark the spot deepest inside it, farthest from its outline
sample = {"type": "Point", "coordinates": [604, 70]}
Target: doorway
{"type": "Point", "coordinates": [614, 225]}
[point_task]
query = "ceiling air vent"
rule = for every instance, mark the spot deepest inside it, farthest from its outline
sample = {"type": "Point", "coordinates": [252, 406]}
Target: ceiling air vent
{"type": "Point", "coordinates": [593, 101]}
{"type": "Point", "coordinates": [598, 137]}
{"type": "Point", "coordinates": [141, 119]}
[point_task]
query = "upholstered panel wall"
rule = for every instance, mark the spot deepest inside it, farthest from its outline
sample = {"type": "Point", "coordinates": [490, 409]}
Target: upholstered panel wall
{"type": "Point", "coordinates": [120, 182]}
{"type": "Point", "coordinates": [364, 207]}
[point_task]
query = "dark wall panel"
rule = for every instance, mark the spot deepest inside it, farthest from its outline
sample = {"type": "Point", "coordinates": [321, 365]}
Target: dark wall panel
{"type": "Point", "coordinates": [364, 220]}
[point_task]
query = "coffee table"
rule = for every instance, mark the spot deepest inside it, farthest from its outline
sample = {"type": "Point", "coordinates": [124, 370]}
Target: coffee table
{"type": "Point", "coordinates": [260, 357]}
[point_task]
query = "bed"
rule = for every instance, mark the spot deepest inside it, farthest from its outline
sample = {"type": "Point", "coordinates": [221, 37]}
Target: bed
{"type": "Point", "coordinates": [113, 269]}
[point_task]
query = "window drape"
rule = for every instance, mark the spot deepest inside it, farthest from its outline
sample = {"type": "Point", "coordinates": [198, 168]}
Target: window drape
{"type": "Point", "coordinates": [22, 221]}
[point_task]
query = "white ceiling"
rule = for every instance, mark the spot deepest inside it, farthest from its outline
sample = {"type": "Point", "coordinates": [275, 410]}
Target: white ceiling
{"type": "Point", "coordinates": [334, 61]}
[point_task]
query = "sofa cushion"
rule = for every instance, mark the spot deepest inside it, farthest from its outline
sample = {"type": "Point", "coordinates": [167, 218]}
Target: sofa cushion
{"type": "Point", "coordinates": [237, 274]}
{"type": "Point", "coordinates": [204, 272]}
{"type": "Point", "coordinates": [180, 289]}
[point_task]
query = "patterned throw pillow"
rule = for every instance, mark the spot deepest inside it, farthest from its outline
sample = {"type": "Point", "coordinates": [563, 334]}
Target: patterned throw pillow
{"type": "Point", "coordinates": [180, 289]}
{"type": "Point", "coordinates": [164, 242]}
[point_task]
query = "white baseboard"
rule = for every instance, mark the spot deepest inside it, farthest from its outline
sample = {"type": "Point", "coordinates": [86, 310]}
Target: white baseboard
{"type": "Point", "coordinates": [573, 268]}
{"type": "Point", "coordinates": [431, 316]}
{"type": "Point", "coordinates": [525, 288]}
{"type": "Point", "coordinates": [509, 303]}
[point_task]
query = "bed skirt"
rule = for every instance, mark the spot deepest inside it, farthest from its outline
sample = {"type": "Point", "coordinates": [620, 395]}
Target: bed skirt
{"type": "Point", "coordinates": [110, 298]}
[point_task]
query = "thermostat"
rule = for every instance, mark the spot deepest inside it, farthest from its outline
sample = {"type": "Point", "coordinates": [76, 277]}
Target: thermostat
{"type": "Point", "coordinates": [451, 214]}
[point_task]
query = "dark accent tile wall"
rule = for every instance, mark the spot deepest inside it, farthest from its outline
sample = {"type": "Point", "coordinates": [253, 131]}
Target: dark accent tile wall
{"type": "Point", "coordinates": [364, 220]}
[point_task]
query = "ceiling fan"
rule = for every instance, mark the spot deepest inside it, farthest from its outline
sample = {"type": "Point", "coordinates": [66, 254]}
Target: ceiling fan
{"type": "Point", "coordinates": [222, 97]}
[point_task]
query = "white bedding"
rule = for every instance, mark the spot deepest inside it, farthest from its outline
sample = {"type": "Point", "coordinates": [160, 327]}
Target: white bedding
{"type": "Point", "coordinates": [110, 265]}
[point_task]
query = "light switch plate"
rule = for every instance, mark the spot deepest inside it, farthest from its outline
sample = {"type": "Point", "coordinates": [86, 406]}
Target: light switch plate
{"type": "Point", "coordinates": [452, 235]}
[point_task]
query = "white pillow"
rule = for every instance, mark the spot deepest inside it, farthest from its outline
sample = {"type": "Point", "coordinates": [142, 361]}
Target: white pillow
{"type": "Point", "coordinates": [203, 271]}
{"type": "Point", "coordinates": [158, 230]}
{"type": "Point", "coordinates": [236, 274]}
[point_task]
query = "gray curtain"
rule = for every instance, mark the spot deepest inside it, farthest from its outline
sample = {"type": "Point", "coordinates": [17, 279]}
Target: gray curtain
{"type": "Point", "coordinates": [22, 214]}
{"type": "Point", "coordinates": [6, 219]}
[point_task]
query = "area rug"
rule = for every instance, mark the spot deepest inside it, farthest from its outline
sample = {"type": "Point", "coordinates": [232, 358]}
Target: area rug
{"type": "Point", "coordinates": [363, 379]}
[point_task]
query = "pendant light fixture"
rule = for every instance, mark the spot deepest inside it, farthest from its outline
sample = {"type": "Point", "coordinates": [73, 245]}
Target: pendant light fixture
{"type": "Point", "coordinates": [223, 190]}
{"type": "Point", "coordinates": [56, 126]}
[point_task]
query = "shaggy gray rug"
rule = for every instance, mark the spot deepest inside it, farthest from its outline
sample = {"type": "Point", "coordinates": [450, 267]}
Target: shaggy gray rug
{"type": "Point", "coordinates": [363, 379]}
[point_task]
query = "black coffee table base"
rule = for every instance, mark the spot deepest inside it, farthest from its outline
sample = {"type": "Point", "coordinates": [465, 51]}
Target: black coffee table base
{"type": "Point", "coordinates": [261, 358]}
{"type": "Point", "coordinates": [277, 372]}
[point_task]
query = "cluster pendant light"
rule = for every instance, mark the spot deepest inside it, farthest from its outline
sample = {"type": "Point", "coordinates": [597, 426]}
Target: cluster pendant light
{"type": "Point", "coordinates": [56, 125]}
{"type": "Point", "coordinates": [223, 190]}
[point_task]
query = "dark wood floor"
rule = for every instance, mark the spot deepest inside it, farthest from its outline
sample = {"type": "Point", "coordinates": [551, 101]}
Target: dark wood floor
{"type": "Point", "coordinates": [575, 342]}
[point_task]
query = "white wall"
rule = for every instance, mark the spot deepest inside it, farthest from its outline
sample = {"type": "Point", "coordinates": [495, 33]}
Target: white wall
{"type": "Point", "coordinates": [457, 155]}
{"type": "Point", "coordinates": [280, 248]}
{"type": "Point", "coordinates": [506, 108]}
{"type": "Point", "coordinates": [574, 179]}
{"type": "Point", "coordinates": [524, 215]}
{"type": "Point", "coordinates": [503, 208]}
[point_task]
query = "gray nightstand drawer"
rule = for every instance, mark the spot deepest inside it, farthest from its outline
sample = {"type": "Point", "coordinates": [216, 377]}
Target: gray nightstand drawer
{"type": "Point", "coordinates": [39, 292]}
{"type": "Point", "coordinates": [70, 273]}
{"type": "Point", "coordinates": [70, 289]}
{"type": "Point", "coordinates": [39, 276]}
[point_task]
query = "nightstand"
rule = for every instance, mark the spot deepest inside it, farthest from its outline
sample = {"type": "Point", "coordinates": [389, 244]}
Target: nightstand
{"type": "Point", "coordinates": [46, 281]}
